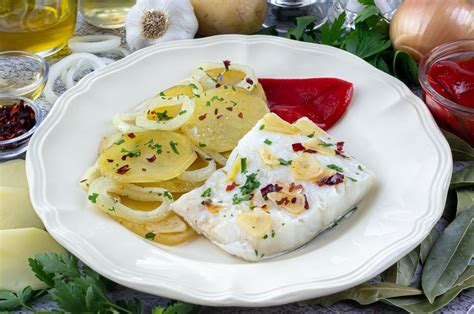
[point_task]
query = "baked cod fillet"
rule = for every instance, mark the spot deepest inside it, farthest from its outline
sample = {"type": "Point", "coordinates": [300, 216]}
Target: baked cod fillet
{"type": "Point", "coordinates": [282, 185]}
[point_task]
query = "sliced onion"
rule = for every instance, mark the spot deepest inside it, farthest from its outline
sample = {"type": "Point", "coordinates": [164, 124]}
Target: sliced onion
{"type": "Point", "coordinates": [109, 141]}
{"type": "Point", "coordinates": [166, 125]}
{"type": "Point", "coordinates": [146, 194]}
{"type": "Point", "coordinates": [190, 81]}
{"type": "Point", "coordinates": [119, 50]}
{"type": "Point", "coordinates": [89, 176]}
{"type": "Point", "coordinates": [199, 73]}
{"type": "Point", "coordinates": [218, 158]}
{"type": "Point", "coordinates": [94, 43]}
{"type": "Point", "coordinates": [102, 186]}
{"type": "Point", "coordinates": [64, 64]}
{"type": "Point", "coordinates": [201, 174]}
{"type": "Point", "coordinates": [124, 124]}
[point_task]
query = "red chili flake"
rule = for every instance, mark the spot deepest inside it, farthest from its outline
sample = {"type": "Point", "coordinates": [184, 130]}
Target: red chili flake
{"type": "Point", "coordinates": [216, 111]}
{"type": "Point", "coordinates": [218, 85]}
{"type": "Point", "coordinates": [241, 115]}
{"type": "Point", "coordinates": [268, 189]}
{"type": "Point", "coordinates": [110, 160]}
{"type": "Point", "coordinates": [249, 80]}
{"type": "Point", "coordinates": [123, 169]}
{"type": "Point", "coordinates": [295, 187]}
{"type": "Point", "coordinates": [226, 64]}
{"type": "Point", "coordinates": [310, 151]}
{"type": "Point", "coordinates": [284, 201]}
{"type": "Point", "coordinates": [151, 159]}
{"type": "Point", "coordinates": [264, 206]}
{"type": "Point", "coordinates": [229, 108]}
{"type": "Point", "coordinates": [340, 147]}
{"type": "Point", "coordinates": [207, 202]}
{"type": "Point", "coordinates": [332, 180]}
{"type": "Point", "coordinates": [143, 169]}
{"type": "Point", "coordinates": [16, 120]}
{"type": "Point", "coordinates": [124, 157]}
{"type": "Point", "coordinates": [297, 147]}
{"type": "Point", "coordinates": [293, 200]}
{"type": "Point", "coordinates": [203, 116]}
{"type": "Point", "coordinates": [230, 187]}
{"type": "Point", "coordinates": [82, 181]}
{"type": "Point", "coordinates": [131, 135]}
{"type": "Point", "coordinates": [306, 204]}
{"type": "Point", "coordinates": [220, 116]}
{"type": "Point", "coordinates": [208, 159]}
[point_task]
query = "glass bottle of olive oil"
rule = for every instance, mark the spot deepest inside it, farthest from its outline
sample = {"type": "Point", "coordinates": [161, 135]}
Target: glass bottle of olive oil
{"type": "Point", "coordinates": [106, 13]}
{"type": "Point", "coordinates": [40, 26]}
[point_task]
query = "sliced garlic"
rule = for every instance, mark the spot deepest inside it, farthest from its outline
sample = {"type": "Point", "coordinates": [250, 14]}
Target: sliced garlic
{"type": "Point", "coordinates": [268, 157]}
{"type": "Point", "coordinates": [292, 202]}
{"type": "Point", "coordinates": [211, 207]}
{"type": "Point", "coordinates": [256, 223]}
{"type": "Point", "coordinates": [172, 224]}
{"type": "Point", "coordinates": [308, 127]}
{"type": "Point", "coordinates": [318, 145]}
{"type": "Point", "coordinates": [234, 170]}
{"type": "Point", "coordinates": [273, 123]}
{"type": "Point", "coordinates": [306, 168]}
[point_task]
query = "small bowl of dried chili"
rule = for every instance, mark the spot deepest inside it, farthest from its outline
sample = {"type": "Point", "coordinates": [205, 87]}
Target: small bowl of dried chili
{"type": "Point", "coordinates": [19, 118]}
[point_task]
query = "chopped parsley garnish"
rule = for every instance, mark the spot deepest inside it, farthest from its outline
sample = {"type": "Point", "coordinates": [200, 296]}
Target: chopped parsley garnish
{"type": "Point", "coordinates": [202, 144]}
{"type": "Point", "coordinates": [233, 103]}
{"type": "Point", "coordinates": [262, 127]}
{"type": "Point", "coordinates": [233, 88]}
{"type": "Point", "coordinates": [256, 252]}
{"type": "Point", "coordinates": [268, 142]}
{"type": "Point", "coordinates": [154, 146]}
{"type": "Point", "coordinates": [150, 235]}
{"type": "Point", "coordinates": [251, 183]}
{"type": "Point", "coordinates": [208, 103]}
{"type": "Point", "coordinates": [174, 147]}
{"type": "Point", "coordinates": [360, 168]}
{"type": "Point", "coordinates": [237, 199]}
{"type": "Point", "coordinates": [163, 116]}
{"type": "Point", "coordinates": [206, 193]}
{"type": "Point", "coordinates": [273, 233]}
{"type": "Point", "coordinates": [132, 153]}
{"type": "Point", "coordinates": [120, 142]}
{"type": "Point", "coordinates": [326, 144]}
{"type": "Point", "coordinates": [265, 236]}
{"type": "Point", "coordinates": [335, 168]}
{"type": "Point", "coordinates": [243, 165]}
{"type": "Point", "coordinates": [193, 86]}
{"type": "Point", "coordinates": [284, 162]}
{"type": "Point", "coordinates": [310, 135]}
{"type": "Point", "coordinates": [352, 179]}
{"type": "Point", "coordinates": [168, 195]}
{"type": "Point", "coordinates": [93, 197]}
{"type": "Point", "coordinates": [162, 94]}
{"type": "Point", "coordinates": [182, 112]}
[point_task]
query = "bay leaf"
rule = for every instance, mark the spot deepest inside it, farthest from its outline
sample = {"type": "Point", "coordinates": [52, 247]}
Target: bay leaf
{"type": "Point", "coordinates": [449, 256]}
{"type": "Point", "coordinates": [420, 304]}
{"type": "Point", "coordinates": [427, 244]}
{"type": "Point", "coordinates": [463, 178]}
{"type": "Point", "coordinates": [461, 150]}
{"type": "Point", "coordinates": [465, 199]}
{"type": "Point", "coordinates": [365, 294]}
{"type": "Point", "coordinates": [402, 272]}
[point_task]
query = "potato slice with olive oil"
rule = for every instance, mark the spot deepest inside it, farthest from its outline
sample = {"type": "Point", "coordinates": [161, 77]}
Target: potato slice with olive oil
{"type": "Point", "coordinates": [232, 77]}
{"type": "Point", "coordinates": [147, 157]}
{"type": "Point", "coordinates": [222, 117]}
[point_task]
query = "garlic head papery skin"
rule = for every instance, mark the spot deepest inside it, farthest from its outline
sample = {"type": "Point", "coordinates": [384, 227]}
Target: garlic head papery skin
{"type": "Point", "coordinates": [153, 21]}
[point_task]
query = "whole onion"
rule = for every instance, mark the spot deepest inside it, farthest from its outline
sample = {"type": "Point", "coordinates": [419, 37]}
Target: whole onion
{"type": "Point", "coordinates": [420, 25]}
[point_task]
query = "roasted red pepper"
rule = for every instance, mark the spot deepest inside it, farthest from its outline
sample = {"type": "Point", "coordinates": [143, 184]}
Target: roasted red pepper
{"type": "Point", "coordinates": [323, 100]}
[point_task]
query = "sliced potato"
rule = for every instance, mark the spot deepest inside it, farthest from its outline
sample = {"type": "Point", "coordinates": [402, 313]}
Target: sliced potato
{"type": "Point", "coordinates": [16, 210]}
{"type": "Point", "coordinates": [147, 157]}
{"type": "Point", "coordinates": [12, 173]}
{"type": "Point", "coordinates": [222, 117]}
{"type": "Point", "coordinates": [16, 246]}
{"type": "Point", "coordinates": [175, 185]}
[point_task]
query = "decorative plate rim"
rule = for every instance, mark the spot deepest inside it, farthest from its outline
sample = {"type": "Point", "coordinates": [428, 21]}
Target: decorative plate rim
{"type": "Point", "coordinates": [228, 297]}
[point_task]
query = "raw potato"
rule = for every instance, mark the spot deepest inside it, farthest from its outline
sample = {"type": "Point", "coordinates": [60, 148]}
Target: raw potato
{"type": "Point", "coordinates": [16, 210]}
{"type": "Point", "coordinates": [217, 17]}
{"type": "Point", "coordinates": [16, 246]}
{"type": "Point", "coordinates": [12, 173]}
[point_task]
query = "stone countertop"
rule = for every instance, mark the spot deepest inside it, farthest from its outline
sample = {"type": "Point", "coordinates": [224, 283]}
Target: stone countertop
{"type": "Point", "coordinates": [464, 303]}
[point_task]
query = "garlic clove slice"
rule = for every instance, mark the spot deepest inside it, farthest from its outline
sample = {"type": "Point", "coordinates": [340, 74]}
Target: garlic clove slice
{"type": "Point", "coordinates": [273, 123]}
{"type": "Point", "coordinates": [255, 223]}
{"type": "Point", "coordinates": [306, 168]}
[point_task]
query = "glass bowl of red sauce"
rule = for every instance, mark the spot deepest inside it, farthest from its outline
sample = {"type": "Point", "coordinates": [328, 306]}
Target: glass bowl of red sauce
{"type": "Point", "coordinates": [446, 76]}
{"type": "Point", "coordinates": [19, 119]}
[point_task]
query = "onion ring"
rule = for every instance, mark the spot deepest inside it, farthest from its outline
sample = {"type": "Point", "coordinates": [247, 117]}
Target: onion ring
{"type": "Point", "coordinates": [102, 186]}
{"type": "Point", "coordinates": [89, 176]}
{"type": "Point", "coordinates": [124, 124]}
{"type": "Point", "coordinates": [201, 174]}
{"type": "Point", "coordinates": [248, 83]}
{"type": "Point", "coordinates": [94, 43]}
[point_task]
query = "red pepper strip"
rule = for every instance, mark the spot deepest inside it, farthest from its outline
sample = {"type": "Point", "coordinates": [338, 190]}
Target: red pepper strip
{"type": "Point", "coordinates": [323, 100]}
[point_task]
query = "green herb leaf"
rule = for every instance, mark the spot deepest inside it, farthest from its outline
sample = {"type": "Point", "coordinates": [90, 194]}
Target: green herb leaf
{"type": "Point", "coordinates": [461, 150]}
{"type": "Point", "coordinates": [335, 168]}
{"type": "Point", "coordinates": [365, 13]}
{"type": "Point", "coordinates": [63, 265]}
{"type": "Point", "coordinates": [463, 178]}
{"type": "Point", "coordinates": [378, 62]}
{"type": "Point", "coordinates": [243, 165]}
{"type": "Point", "coordinates": [403, 271]}
{"type": "Point", "coordinates": [366, 2]}
{"type": "Point", "coordinates": [405, 67]}
{"type": "Point", "coordinates": [120, 142]}
{"type": "Point", "coordinates": [427, 244]}
{"type": "Point", "coordinates": [332, 34]}
{"type": "Point", "coordinates": [202, 144]}
{"type": "Point", "coordinates": [284, 162]}
{"type": "Point", "coordinates": [9, 301]}
{"type": "Point", "coordinates": [301, 23]}
{"type": "Point", "coordinates": [465, 199]}
{"type": "Point", "coordinates": [422, 305]}
{"type": "Point", "coordinates": [365, 294]}
{"type": "Point", "coordinates": [174, 147]}
{"type": "Point", "coordinates": [163, 116]}
{"type": "Point", "coordinates": [271, 31]}
{"type": "Point", "coordinates": [449, 256]}
{"type": "Point", "coordinates": [365, 43]}
{"type": "Point", "coordinates": [267, 141]}
{"type": "Point", "coordinates": [150, 235]}
{"type": "Point", "coordinates": [178, 307]}
{"type": "Point", "coordinates": [38, 270]}
{"type": "Point", "coordinates": [206, 193]}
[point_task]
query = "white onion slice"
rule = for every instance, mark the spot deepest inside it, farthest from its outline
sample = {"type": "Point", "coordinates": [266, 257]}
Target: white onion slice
{"type": "Point", "coordinates": [199, 73]}
{"type": "Point", "coordinates": [124, 124]}
{"type": "Point", "coordinates": [57, 68]}
{"type": "Point", "coordinates": [93, 43]}
{"type": "Point", "coordinates": [174, 123]}
{"type": "Point", "coordinates": [201, 174]}
{"type": "Point", "coordinates": [190, 81]}
{"type": "Point", "coordinates": [119, 50]}
{"type": "Point", "coordinates": [89, 176]}
{"type": "Point", "coordinates": [102, 186]}
{"type": "Point", "coordinates": [218, 158]}
{"type": "Point", "coordinates": [145, 194]}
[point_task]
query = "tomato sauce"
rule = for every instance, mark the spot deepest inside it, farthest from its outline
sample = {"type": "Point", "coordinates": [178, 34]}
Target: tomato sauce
{"type": "Point", "coordinates": [323, 100]}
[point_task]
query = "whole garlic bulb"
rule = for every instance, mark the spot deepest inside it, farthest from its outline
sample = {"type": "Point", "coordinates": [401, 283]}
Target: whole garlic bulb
{"type": "Point", "coordinates": [152, 21]}
{"type": "Point", "coordinates": [420, 25]}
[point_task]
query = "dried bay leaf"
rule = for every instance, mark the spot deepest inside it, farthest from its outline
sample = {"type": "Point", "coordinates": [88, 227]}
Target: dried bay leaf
{"type": "Point", "coordinates": [427, 244]}
{"type": "Point", "coordinates": [420, 304]}
{"type": "Point", "coordinates": [365, 294]}
{"type": "Point", "coordinates": [402, 272]}
{"type": "Point", "coordinates": [463, 178]}
{"type": "Point", "coordinates": [449, 256]}
{"type": "Point", "coordinates": [465, 199]}
{"type": "Point", "coordinates": [461, 150]}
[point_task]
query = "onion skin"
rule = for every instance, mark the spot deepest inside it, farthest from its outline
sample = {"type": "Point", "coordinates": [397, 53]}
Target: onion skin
{"type": "Point", "coordinates": [217, 17]}
{"type": "Point", "coordinates": [420, 25]}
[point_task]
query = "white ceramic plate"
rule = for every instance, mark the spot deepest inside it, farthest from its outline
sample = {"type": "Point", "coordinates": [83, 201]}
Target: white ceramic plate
{"type": "Point", "coordinates": [387, 127]}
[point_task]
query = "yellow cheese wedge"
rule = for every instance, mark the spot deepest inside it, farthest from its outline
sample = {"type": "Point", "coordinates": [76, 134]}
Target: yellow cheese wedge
{"type": "Point", "coordinates": [16, 246]}
{"type": "Point", "coordinates": [16, 210]}
{"type": "Point", "coordinates": [12, 173]}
